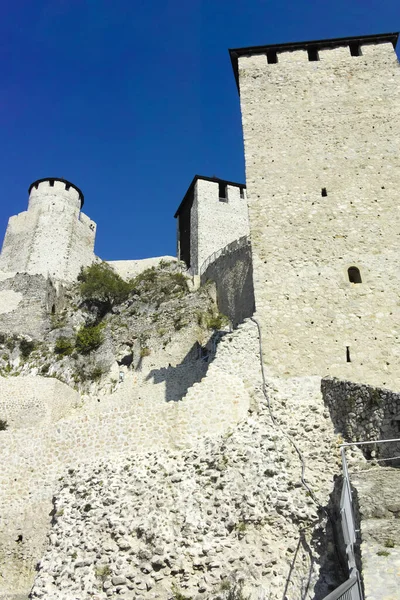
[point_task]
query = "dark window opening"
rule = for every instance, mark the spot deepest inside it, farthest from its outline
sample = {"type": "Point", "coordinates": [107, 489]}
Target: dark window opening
{"type": "Point", "coordinates": [354, 275]}
{"type": "Point", "coordinates": [313, 54]}
{"type": "Point", "coordinates": [355, 49]}
{"type": "Point", "coordinates": [51, 182]}
{"type": "Point", "coordinates": [67, 186]}
{"type": "Point", "coordinates": [19, 538]}
{"type": "Point", "coordinates": [222, 192]}
{"type": "Point", "coordinates": [348, 359]}
{"type": "Point", "coordinates": [53, 309]}
{"type": "Point", "coordinates": [324, 192]}
{"type": "Point", "coordinates": [241, 192]}
{"type": "Point", "coordinates": [272, 57]}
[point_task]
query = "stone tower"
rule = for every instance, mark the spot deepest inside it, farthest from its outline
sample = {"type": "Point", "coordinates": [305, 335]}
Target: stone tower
{"type": "Point", "coordinates": [53, 237]}
{"type": "Point", "coordinates": [212, 214]}
{"type": "Point", "coordinates": [321, 123]}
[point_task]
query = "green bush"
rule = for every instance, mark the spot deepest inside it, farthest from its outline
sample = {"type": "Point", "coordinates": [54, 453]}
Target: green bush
{"type": "Point", "coordinates": [64, 346]}
{"type": "Point", "coordinates": [3, 425]}
{"type": "Point", "coordinates": [100, 283]}
{"type": "Point", "coordinates": [26, 347]}
{"type": "Point", "coordinates": [89, 338]}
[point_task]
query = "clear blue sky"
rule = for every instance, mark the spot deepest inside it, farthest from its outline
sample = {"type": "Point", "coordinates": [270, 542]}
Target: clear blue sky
{"type": "Point", "coordinates": [128, 99]}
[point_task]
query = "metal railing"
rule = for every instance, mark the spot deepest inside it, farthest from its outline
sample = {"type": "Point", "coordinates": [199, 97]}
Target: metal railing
{"type": "Point", "coordinates": [351, 589]}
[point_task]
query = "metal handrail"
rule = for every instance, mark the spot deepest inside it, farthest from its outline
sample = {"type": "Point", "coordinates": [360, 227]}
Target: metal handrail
{"type": "Point", "coordinates": [349, 590]}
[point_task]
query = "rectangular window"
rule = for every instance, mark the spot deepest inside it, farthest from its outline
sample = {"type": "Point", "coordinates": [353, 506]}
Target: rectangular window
{"type": "Point", "coordinates": [272, 57]}
{"type": "Point", "coordinates": [355, 49]}
{"type": "Point", "coordinates": [313, 54]}
{"type": "Point", "coordinates": [223, 196]}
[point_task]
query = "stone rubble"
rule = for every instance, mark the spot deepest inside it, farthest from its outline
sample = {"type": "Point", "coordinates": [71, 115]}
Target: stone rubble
{"type": "Point", "coordinates": [196, 523]}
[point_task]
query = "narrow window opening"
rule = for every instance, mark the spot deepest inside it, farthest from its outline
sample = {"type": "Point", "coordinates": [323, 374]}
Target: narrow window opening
{"type": "Point", "coordinates": [313, 54]}
{"type": "Point", "coordinates": [354, 275]}
{"type": "Point", "coordinates": [241, 192]}
{"type": "Point", "coordinates": [324, 192]}
{"type": "Point", "coordinates": [348, 359]}
{"type": "Point", "coordinates": [222, 192]}
{"type": "Point", "coordinates": [272, 57]}
{"type": "Point", "coordinates": [51, 182]}
{"type": "Point", "coordinates": [355, 49]}
{"type": "Point", "coordinates": [53, 309]}
{"type": "Point", "coordinates": [67, 186]}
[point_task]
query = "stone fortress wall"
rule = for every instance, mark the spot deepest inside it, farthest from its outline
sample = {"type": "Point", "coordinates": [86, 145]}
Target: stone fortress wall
{"type": "Point", "coordinates": [322, 139]}
{"type": "Point", "coordinates": [46, 438]}
{"type": "Point", "coordinates": [231, 271]}
{"type": "Point", "coordinates": [53, 237]}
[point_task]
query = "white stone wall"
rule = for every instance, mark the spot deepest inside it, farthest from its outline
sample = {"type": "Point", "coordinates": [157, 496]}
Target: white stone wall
{"type": "Point", "coordinates": [214, 223]}
{"type": "Point", "coordinates": [52, 237]}
{"type": "Point", "coordinates": [127, 269]}
{"type": "Point", "coordinates": [330, 124]}
{"type": "Point", "coordinates": [34, 455]}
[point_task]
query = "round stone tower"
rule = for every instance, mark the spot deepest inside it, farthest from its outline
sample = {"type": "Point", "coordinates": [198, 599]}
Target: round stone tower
{"type": "Point", "coordinates": [53, 189]}
{"type": "Point", "coordinates": [53, 237]}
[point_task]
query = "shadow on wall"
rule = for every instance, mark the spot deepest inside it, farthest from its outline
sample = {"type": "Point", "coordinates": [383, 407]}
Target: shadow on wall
{"type": "Point", "coordinates": [362, 413]}
{"type": "Point", "coordinates": [233, 276]}
{"type": "Point", "coordinates": [191, 370]}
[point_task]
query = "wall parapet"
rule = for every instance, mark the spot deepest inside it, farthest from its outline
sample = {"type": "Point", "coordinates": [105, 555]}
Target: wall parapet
{"type": "Point", "coordinates": [228, 249]}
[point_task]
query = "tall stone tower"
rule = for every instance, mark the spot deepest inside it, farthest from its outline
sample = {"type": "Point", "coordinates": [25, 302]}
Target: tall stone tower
{"type": "Point", "coordinates": [321, 123]}
{"type": "Point", "coordinates": [53, 237]}
{"type": "Point", "coordinates": [212, 214]}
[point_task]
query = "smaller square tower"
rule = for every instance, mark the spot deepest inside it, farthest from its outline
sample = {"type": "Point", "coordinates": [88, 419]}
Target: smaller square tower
{"type": "Point", "coordinates": [212, 214]}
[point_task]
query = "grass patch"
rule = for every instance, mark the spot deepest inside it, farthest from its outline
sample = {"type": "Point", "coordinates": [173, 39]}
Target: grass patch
{"type": "Point", "coordinates": [103, 572]}
{"type": "Point", "coordinates": [64, 346]}
{"type": "Point", "coordinates": [26, 347]}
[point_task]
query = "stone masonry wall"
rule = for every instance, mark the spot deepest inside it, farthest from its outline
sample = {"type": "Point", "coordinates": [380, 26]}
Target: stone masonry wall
{"type": "Point", "coordinates": [128, 269]}
{"type": "Point", "coordinates": [52, 237]}
{"type": "Point", "coordinates": [26, 303]}
{"type": "Point", "coordinates": [232, 273]}
{"type": "Point", "coordinates": [363, 413]}
{"type": "Point", "coordinates": [215, 223]}
{"type": "Point", "coordinates": [34, 457]}
{"type": "Point", "coordinates": [331, 125]}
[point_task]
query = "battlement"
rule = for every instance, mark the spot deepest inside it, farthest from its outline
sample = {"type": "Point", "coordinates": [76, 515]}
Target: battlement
{"type": "Point", "coordinates": [54, 187]}
{"type": "Point", "coordinates": [316, 50]}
